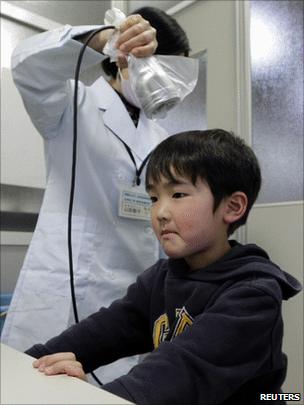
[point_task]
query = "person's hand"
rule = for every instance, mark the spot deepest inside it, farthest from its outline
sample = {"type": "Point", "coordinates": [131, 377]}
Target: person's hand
{"type": "Point", "coordinates": [60, 363]}
{"type": "Point", "coordinates": [136, 37]}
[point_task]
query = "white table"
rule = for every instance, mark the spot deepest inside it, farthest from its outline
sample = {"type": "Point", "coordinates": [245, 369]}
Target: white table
{"type": "Point", "coordinates": [23, 384]}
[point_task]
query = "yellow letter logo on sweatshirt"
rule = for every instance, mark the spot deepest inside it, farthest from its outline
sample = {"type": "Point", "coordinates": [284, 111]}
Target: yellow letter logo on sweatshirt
{"type": "Point", "coordinates": [161, 325]}
{"type": "Point", "coordinates": [160, 330]}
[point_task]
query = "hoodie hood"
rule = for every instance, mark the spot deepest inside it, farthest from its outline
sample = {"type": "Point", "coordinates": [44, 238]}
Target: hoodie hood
{"type": "Point", "coordinates": [241, 262]}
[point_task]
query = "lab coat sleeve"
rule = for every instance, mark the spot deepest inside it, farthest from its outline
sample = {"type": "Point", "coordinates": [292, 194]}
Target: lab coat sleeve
{"type": "Point", "coordinates": [107, 335]}
{"type": "Point", "coordinates": [42, 66]}
{"type": "Point", "coordinates": [231, 343]}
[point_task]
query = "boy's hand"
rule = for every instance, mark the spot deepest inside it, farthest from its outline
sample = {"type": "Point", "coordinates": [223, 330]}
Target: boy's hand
{"type": "Point", "coordinates": [60, 363]}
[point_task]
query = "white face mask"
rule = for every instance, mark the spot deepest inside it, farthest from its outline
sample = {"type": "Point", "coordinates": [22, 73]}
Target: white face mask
{"type": "Point", "coordinates": [127, 91]}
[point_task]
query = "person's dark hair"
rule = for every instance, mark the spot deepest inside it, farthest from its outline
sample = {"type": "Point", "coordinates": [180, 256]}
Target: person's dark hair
{"type": "Point", "coordinates": [220, 158]}
{"type": "Point", "coordinates": [171, 38]}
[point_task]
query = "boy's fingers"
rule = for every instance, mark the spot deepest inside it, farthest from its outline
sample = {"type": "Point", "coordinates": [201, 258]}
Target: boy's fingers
{"type": "Point", "coordinates": [77, 372]}
{"type": "Point", "coordinates": [69, 367]}
{"type": "Point", "coordinates": [46, 361]}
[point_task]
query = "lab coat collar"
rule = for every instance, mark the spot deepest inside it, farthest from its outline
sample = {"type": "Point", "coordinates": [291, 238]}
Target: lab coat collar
{"type": "Point", "coordinates": [118, 120]}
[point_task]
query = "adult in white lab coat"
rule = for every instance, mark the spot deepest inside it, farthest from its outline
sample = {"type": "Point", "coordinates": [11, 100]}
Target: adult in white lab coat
{"type": "Point", "coordinates": [109, 250]}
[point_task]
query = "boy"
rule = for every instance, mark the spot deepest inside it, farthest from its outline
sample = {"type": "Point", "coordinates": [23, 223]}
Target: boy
{"type": "Point", "coordinates": [211, 314]}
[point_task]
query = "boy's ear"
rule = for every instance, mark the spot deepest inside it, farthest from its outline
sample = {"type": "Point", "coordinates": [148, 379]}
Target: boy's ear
{"type": "Point", "coordinates": [235, 207]}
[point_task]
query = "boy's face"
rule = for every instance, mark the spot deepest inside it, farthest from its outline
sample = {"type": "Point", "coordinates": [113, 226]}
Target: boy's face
{"type": "Point", "coordinates": [184, 222]}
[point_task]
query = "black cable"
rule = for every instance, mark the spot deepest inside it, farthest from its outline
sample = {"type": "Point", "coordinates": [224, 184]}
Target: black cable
{"type": "Point", "coordinates": [73, 175]}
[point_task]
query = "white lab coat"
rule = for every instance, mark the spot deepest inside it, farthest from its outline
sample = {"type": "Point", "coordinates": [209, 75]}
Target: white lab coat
{"type": "Point", "coordinates": [108, 251]}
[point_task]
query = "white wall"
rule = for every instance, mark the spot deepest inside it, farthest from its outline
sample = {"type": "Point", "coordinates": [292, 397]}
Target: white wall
{"type": "Point", "coordinates": [77, 12]}
{"type": "Point", "coordinates": [211, 25]}
{"type": "Point", "coordinates": [279, 229]}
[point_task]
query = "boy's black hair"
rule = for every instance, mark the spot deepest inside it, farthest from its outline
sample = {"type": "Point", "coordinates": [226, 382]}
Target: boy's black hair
{"type": "Point", "coordinates": [171, 38]}
{"type": "Point", "coordinates": [216, 156]}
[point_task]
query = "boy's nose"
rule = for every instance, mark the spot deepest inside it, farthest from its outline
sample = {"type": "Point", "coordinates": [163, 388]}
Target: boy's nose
{"type": "Point", "coordinates": [163, 213]}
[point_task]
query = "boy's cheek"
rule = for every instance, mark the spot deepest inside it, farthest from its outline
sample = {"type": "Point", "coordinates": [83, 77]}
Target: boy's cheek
{"type": "Point", "coordinates": [155, 228]}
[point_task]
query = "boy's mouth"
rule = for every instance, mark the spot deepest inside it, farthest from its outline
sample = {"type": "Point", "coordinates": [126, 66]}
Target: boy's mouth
{"type": "Point", "coordinates": [166, 232]}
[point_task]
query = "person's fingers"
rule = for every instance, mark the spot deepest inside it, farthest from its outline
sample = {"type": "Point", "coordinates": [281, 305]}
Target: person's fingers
{"type": "Point", "coordinates": [74, 371]}
{"type": "Point", "coordinates": [133, 31]}
{"type": "Point", "coordinates": [137, 33]}
{"type": "Point", "coordinates": [48, 360]}
{"type": "Point", "coordinates": [144, 51]}
{"type": "Point", "coordinates": [143, 39]}
{"type": "Point", "coordinates": [132, 21]}
{"type": "Point", "coordinates": [69, 367]}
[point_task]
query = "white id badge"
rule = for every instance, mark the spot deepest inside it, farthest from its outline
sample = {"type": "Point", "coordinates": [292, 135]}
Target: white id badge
{"type": "Point", "coordinates": [134, 204]}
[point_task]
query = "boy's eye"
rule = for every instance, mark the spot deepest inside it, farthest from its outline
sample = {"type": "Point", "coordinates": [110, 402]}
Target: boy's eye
{"type": "Point", "coordinates": [179, 195]}
{"type": "Point", "coordinates": [153, 199]}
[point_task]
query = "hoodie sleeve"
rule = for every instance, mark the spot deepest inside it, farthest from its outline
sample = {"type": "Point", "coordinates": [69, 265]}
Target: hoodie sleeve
{"type": "Point", "coordinates": [107, 335]}
{"type": "Point", "coordinates": [226, 346]}
{"type": "Point", "coordinates": [41, 68]}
